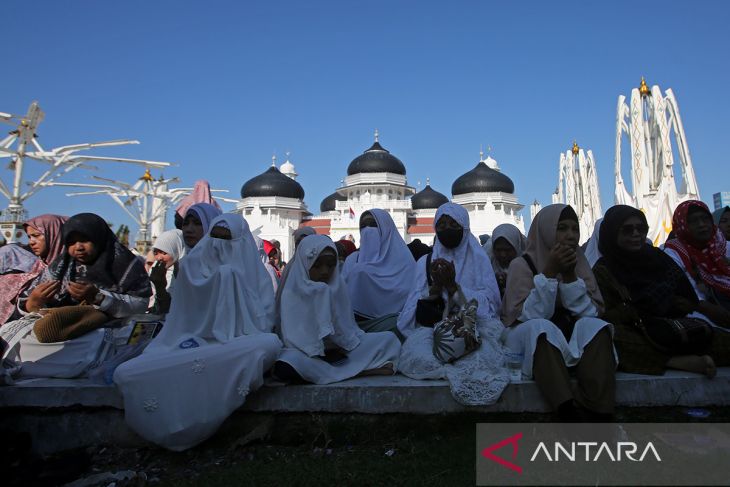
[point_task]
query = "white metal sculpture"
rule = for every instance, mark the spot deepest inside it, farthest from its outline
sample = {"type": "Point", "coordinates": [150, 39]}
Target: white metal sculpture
{"type": "Point", "coordinates": [146, 201]}
{"type": "Point", "coordinates": [578, 187]}
{"type": "Point", "coordinates": [21, 144]}
{"type": "Point", "coordinates": [649, 123]}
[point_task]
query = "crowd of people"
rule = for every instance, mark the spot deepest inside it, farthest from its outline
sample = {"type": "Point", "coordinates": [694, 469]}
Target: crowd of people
{"type": "Point", "coordinates": [236, 315]}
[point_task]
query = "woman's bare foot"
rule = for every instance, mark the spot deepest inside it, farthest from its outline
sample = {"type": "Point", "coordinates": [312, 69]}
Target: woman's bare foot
{"type": "Point", "coordinates": [386, 369]}
{"type": "Point", "coordinates": [701, 364]}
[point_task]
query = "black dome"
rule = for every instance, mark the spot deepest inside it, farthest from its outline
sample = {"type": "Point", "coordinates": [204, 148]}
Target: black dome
{"type": "Point", "coordinates": [272, 183]}
{"type": "Point", "coordinates": [329, 203]}
{"type": "Point", "coordinates": [427, 198]}
{"type": "Point", "coordinates": [482, 179]}
{"type": "Point", "coordinates": [376, 159]}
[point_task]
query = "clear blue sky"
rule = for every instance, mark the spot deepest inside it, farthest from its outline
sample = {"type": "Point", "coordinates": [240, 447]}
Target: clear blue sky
{"type": "Point", "coordinates": [219, 86]}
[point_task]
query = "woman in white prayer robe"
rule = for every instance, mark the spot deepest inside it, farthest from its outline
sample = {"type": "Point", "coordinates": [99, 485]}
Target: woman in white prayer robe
{"type": "Point", "coordinates": [214, 347]}
{"type": "Point", "coordinates": [379, 275]}
{"type": "Point", "coordinates": [550, 311]}
{"type": "Point", "coordinates": [323, 344]}
{"type": "Point", "coordinates": [459, 266]}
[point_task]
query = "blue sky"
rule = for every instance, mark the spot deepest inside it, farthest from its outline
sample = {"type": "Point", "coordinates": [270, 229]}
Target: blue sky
{"type": "Point", "coordinates": [218, 87]}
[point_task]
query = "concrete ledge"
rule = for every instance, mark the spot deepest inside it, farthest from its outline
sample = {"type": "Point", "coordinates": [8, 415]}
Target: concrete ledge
{"type": "Point", "coordinates": [381, 395]}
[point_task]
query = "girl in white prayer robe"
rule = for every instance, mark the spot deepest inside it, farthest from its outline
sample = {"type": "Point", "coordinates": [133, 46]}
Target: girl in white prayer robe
{"type": "Point", "coordinates": [323, 344]}
{"type": "Point", "coordinates": [214, 347]}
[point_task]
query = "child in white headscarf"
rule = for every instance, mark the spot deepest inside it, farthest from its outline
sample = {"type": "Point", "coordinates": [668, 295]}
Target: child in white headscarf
{"type": "Point", "coordinates": [168, 249]}
{"type": "Point", "coordinates": [214, 347]}
{"type": "Point", "coordinates": [507, 242]}
{"type": "Point", "coordinates": [323, 342]}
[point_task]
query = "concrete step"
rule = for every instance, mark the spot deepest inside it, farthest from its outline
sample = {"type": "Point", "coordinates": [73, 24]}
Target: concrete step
{"type": "Point", "coordinates": [382, 395]}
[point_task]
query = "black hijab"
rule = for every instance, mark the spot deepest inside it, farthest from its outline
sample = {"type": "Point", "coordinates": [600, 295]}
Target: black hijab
{"type": "Point", "coordinates": [651, 276]}
{"type": "Point", "coordinates": [115, 269]}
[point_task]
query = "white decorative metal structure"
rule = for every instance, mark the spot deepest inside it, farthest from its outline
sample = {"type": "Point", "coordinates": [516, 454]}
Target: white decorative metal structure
{"type": "Point", "coordinates": [578, 187]}
{"type": "Point", "coordinates": [649, 123]}
{"type": "Point", "coordinates": [146, 201]}
{"type": "Point", "coordinates": [21, 144]}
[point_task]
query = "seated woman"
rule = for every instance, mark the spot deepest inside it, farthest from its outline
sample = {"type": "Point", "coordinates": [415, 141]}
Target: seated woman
{"type": "Point", "coordinates": [168, 249]}
{"type": "Point", "coordinates": [197, 223]}
{"type": "Point", "coordinates": [459, 272]}
{"type": "Point", "coordinates": [323, 342]}
{"type": "Point", "coordinates": [550, 313]}
{"type": "Point", "coordinates": [95, 269]}
{"type": "Point", "coordinates": [44, 240]}
{"type": "Point", "coordinates": [507, 242]}
{"type": "Point", "coordinates": [215, 344]}
{"type": "Point", "coordinates": [699, 249]}
{"type": "Point", "coordinates": [639, 282]}
{"type": "Point", "coordinates": [722, 220]}
{"type": "Point", "coordinates": [379, 276]}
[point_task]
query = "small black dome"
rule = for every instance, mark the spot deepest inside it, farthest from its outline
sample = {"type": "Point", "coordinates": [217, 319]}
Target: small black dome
{"type": "Point", "coordinates": [482, 179]}
{"type": "Point", "coordinates": [376, 159]}
{"type": "Point", "coordinates": [329, 203]}
{"type": "Point", "coordinates": [272, 183]}
{"type": "Point", "coordinates": [427, 198]}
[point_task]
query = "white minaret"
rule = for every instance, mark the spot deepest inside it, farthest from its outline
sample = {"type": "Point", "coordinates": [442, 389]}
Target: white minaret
{"type": "Point", "coordinates": [649, 124]}
{"type": "Point", "coordinates": [578, 187]}
{"type": "Point", "coordinates": [287, 169]}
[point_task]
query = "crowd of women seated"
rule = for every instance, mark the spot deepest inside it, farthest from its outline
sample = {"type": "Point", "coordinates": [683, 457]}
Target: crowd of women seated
{"type": "Point", "coordinates": [235, 313]}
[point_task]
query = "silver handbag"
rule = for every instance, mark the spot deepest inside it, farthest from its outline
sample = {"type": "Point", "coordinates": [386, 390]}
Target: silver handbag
{"type": "Point", "coordinates": [457, 335]}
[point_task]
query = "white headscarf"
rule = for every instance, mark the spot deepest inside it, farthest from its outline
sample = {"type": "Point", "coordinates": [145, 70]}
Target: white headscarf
{"type": "Point", "coordinates": [590, 249]}
{"type": "Point", "coordinates": [380, 275]}
{"type": "Point", "coordinates": [311, 311]}
{"type": "Point", "coordinates": [474, 273]}
{"type": "Point", "coordinates": [513, 236]}
{"type": "Point", "coordinates": [171, 242]}
{"type": "Point", "coordinates": [222, 291]}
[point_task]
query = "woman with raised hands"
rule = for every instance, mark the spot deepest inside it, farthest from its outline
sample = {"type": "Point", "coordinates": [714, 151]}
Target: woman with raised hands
{"type": "Point", "coordinates": [550, 313]}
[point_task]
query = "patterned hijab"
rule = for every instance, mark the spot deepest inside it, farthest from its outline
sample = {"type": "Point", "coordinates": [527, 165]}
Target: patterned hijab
{"type": "Point", "coordinates": [706, 261]}
{"type": "Point", "coordinates": [11, 285]}
{"type": "Point", "coordinates": [115, 269]}
{"type": "Point", "coordinates": [540, 239]}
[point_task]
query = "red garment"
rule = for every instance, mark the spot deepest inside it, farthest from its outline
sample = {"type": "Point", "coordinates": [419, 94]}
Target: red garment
{"type": "Point", "coordinates": [709, 260]}
{"type": "Point", "coordinates": [268, 247]}
{"type": "Point", "coordinates": [348, 245]}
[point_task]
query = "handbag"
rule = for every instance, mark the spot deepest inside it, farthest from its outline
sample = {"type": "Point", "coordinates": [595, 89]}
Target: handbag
{"type": "Point", "coordinates": [677, 336]}
{"type": "Point", "coordinates": [457, 335]}
{"type": "Point", "coordinates": [68, 322]}
{"type": "Point", "coordinates": [673, 336]}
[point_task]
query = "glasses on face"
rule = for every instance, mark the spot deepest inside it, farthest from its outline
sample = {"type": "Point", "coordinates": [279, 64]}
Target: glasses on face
{"type": "Point", "coordinates": [640, 228]}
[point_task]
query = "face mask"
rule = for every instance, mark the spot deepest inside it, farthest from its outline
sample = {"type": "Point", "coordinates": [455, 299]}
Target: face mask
{"type": "Point", "coordinates": [450, 238]}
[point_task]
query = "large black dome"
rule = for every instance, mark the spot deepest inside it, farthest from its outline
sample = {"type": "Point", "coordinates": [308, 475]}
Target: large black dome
{"type": "Point", "coordinates": [482, 179]}
{"type": "Point", "coordinates": [428, 198]}
{"type": "Point", "coordinates": [272, 183]}
{"type": "Point", "coordinates": [329, 203]}
{"type": "Point", "coordinates": [376, 159]}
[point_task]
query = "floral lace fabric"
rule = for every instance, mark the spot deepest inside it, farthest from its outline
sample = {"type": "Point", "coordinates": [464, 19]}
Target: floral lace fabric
{"type": "Point", "coordinates": [477, 379]}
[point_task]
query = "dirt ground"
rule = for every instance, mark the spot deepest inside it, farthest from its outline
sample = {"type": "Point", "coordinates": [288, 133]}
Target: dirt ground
{"type": "Point", "coordinates": [298, 450]}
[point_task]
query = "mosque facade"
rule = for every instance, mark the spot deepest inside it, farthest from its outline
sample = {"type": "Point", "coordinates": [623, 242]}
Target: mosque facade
{"type": "Point", "coordinates": [273, 202]}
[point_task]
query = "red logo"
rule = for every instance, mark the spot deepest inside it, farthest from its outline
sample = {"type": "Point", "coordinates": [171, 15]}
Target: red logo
{"type": "Point", "coordinates": [487, 452]}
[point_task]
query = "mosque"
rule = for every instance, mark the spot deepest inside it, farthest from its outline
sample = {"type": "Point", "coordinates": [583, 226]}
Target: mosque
{"type": "Point", "coordinates": [273, 202]}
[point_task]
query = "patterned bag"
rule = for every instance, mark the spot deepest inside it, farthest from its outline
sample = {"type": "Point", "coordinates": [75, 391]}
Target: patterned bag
{"type": "Point", "coordinates": [457, 335]}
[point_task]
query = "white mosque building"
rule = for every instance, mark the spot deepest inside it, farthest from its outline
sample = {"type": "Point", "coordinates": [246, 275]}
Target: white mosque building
{"type": "Point", "coordinates": [273, 202]}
